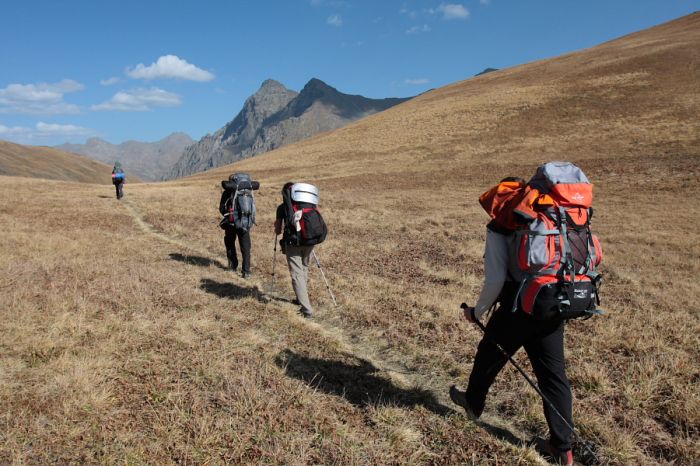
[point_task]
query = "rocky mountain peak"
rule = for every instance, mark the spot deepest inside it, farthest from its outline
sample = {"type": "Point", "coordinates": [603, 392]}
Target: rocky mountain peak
{"type": "Point", "coordinates": [315, 85]}
{"type": "Point", "coordinates": [273, 117]}
{"type": "Point", "coordinates": [268, 100]}
{"type": "Point", "coordinates": [94, 141]}
{"type": "Point", "coordinates": [177, 137]}
{"type": "Point", "coordinates": [270, 85]}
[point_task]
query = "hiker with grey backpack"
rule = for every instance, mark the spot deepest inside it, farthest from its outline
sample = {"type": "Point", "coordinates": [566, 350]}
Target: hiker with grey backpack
{"type": "Point", "coordinates": [540, 272]}
{"type": "Point", "coordinates": [302, 227]}
{"type": "Point", "coordinates": [237, 206]}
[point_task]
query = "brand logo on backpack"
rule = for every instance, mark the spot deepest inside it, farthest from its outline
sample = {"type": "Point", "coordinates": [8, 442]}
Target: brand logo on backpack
{"type": "Point", "coordinates": [556, 252]}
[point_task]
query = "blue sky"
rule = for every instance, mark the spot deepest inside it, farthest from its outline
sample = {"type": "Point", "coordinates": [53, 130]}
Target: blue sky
{"type": "Point", "coordinates": [141, 70]}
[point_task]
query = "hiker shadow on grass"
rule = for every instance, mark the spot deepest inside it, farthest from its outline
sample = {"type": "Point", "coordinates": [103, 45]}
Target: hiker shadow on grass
{"type": "Point", "coordinates": [231, 290]}
{"type": "Point", "coordinates": [360, 384]}
{"type": "Point", "coordinates": [196, 260]}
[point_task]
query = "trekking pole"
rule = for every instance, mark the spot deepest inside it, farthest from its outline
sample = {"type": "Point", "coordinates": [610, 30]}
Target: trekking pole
{"type": "Point", "coordinates": [529, 380]}
{"type": "Point", "coordinates": [324, 277]}
{"type": "Point", "coordinates": [274, 260]}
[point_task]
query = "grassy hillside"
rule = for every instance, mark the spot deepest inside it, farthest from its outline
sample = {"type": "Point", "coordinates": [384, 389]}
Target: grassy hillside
{"type": "Point", "coordinates": [125, 340]}
{"type": "Point", "coordinates": [53, 164]}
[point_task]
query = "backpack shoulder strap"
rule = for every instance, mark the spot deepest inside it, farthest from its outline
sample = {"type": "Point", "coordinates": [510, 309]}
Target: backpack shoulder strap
{"type": "Point", "coordinates": [288, 208]}
{"type": "Point", "coordinates": [232, 198]}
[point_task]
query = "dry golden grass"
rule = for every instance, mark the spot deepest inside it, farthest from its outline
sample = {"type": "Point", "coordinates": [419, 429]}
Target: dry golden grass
{"type": "Point", "coordinates": [53, 164]}
{"type": "Point", "coordinates": [125, 340]}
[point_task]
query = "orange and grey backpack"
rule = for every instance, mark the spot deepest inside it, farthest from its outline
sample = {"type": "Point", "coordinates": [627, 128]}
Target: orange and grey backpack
{"type": "Point", "coordinates": [555, 250]}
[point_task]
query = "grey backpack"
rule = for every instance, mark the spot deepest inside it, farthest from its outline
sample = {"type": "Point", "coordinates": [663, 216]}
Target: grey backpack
{"type": "Point", "coordinates": [243, 202]}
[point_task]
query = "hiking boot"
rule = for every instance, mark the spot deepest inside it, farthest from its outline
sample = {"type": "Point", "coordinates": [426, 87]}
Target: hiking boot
{"type": "Point", "coordinates": [246, 275]}
{"type": "Point", "coordinates": [557, 456]}
{"type": "Point", "coordinates": [305, 313]}
{"type": "Point", "coordinates": [459, 398]}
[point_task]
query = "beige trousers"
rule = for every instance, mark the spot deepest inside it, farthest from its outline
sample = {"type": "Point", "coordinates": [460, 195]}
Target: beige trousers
{"type": "Point", "coordinates": [298, 262]}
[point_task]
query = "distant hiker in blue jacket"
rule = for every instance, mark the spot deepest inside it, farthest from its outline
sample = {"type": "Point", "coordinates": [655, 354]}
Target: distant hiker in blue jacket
{"type": "Point", "coordinates": [118, 179]}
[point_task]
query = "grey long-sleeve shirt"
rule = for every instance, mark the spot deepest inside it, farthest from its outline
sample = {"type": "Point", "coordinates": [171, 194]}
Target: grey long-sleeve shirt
{"type": "Point", "coordinates": [495, 270]}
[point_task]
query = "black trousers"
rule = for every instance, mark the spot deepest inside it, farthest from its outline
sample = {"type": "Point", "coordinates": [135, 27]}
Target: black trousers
{"type": "Point", "coordinates": [244, 242]}
{"type": "Point", "coordinates": [544, 344]}
{"type": "Point", "coordinates": [120, 190]}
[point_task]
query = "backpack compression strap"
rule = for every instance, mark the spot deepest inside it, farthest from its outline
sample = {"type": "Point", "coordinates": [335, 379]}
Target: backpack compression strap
{"type": "Point", "coordinates": [568, 265]}
{"type": "Point", "coordinates": [231, 212]}
{"type": "Point", "coordinates": [528, 276]}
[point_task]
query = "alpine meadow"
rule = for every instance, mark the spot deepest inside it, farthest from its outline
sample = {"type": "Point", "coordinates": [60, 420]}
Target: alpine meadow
{"type": "Point", "coordinates": [125, 339]}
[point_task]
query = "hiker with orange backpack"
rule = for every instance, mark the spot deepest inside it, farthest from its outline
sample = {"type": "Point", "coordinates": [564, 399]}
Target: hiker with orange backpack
{"type": "Point", "coordinates": [304, 228]}
{"type": "Point", "coordinates": [540, 268]}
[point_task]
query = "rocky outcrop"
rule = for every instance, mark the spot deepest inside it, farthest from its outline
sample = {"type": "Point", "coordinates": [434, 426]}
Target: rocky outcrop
{"type": "Point", "coordinates": [240, 137]}
{"type": "Point", "coordinates": [273, 117]}
{"type": "Point", "coordinates": [486, 71]}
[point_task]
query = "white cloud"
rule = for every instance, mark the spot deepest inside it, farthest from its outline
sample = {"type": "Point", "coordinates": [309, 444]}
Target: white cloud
{"type": "Point", "coordinates": [170, 66]}
{"type": "Point", "coordinates": [453, 11]}
{"type": "Point", "coordinates": [110, 81]}
{"type": "Point", "coordinates": [139, 100]}
{"type": "Point", "coordinates": [68, 85]}
{"type": "Point", "coordinates": [53, 129]}
{"type": "Point", "coordinates": [335, 20]}
{"type": "Point", "coordinates": [8, 133]}
{"type": "Point", "coordinates": [410, 13]}
{"type": "Point", "coordinates": [39, 99]}
{"type": "Point", "coordinates": [43, 132]}
{"type": "Point", "coordinates": [418, 29]}
{"type": "Point", "coordinates": [416, 82]}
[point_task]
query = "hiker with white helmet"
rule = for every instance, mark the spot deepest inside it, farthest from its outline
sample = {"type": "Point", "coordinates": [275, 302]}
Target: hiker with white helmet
{"type": "Point", "coordinates": [304, 228]}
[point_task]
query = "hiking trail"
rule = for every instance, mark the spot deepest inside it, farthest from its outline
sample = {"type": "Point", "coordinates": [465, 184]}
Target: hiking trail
{"type": "Point", "coordinates": [364, 350]}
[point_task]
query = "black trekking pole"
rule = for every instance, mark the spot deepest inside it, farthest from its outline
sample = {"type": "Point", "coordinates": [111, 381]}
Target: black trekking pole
{"type": "Point", "coordinates": [324, 277]}
{"type": "Point", "coordinates": [274, 261]}
{"type": "Point", "coordinates": [529, 380]}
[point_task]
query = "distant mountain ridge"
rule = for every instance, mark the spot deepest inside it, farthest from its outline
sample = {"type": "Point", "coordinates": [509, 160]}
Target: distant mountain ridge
{"type": "Point", "coordinates": [150, 161]}
{"type": "Point", "coordinates": [51, 164]}
{"type": "Point", "coordinates": [276, 116]}
{"type": "Point", "coordinates": [486, 71]}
